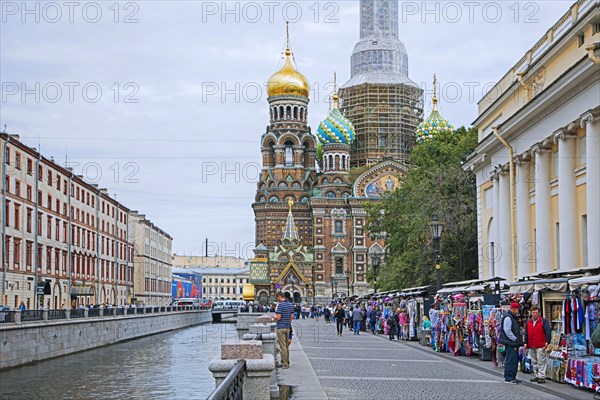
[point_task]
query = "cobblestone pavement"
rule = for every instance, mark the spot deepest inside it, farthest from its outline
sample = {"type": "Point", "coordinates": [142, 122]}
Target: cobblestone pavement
{"type": "Point", "coordinates": [372, 367]}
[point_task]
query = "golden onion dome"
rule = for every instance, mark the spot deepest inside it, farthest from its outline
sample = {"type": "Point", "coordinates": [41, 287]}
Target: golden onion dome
{"type": "Point", "coordinates": [287, 81]}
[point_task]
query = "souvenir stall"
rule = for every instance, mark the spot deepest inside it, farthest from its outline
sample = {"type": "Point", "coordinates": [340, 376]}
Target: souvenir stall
{"type": "Point", "coordinates": [549, 293]}
{"type": "Point", "coordinates": [580, 315]}
{"type": "Point", "coordinates": [416, 304]}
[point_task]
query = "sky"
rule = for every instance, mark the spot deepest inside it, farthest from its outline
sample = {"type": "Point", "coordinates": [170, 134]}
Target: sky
{"type": "Point", "coordinates": [163, 102]}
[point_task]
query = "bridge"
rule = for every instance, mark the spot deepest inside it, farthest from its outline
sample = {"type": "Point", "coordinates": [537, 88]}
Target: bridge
{"type": "Point", "coordinates": [224, 315]}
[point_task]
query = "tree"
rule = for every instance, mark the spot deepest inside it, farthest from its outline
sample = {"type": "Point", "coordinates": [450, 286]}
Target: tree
{"type": "Point", "coordinates": [435, 184]}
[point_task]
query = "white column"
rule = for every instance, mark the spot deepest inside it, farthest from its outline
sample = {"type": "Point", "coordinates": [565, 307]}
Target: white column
{"type": "Point", "coordinates": [504, 244]}
{"type": "Point", "coordinates": [525, 266]}
{"type": "Point", "coordinates": [567, 201]}
{"type": "Point", "coordinates": [543, 214]}
{"type": "Point", "coordinates": [494, 236]}
{"type": "Point", "coordinates": [592, 159]}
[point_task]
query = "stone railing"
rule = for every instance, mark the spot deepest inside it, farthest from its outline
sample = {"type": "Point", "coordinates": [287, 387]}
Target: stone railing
{"type": "Point", "coordinates": [19, 317]}
{"type": "Point", "coordinates": [258, 349]}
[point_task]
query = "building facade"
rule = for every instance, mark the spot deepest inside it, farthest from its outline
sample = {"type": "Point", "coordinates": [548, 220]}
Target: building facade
{"type": "Point", "coordinates": [220, 283]}
{"type": "Point", "coordinates": [152, 261]}
{"type": "Point", "coordinates": [64, 240]}
{"type": "Point", "coordinates": [538, 159]}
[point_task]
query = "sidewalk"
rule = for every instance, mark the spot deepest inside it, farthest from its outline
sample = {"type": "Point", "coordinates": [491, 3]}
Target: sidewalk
{"type": "Point", "coordinates": [563, 390]}
{"type": "Point", "coordinates": [300, 377]}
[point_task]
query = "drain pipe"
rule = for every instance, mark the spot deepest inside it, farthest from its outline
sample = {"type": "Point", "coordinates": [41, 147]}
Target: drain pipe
{"type": "Point", "coordinates": [511, 172]}
{"type": "Point", "coordinates": [5, 163]}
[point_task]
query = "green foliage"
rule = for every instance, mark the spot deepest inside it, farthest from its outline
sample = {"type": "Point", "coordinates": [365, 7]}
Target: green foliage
{"type": "Point", "coordinates": [319, 153]}
{"type": "Point", "coordinates": [436, 184]}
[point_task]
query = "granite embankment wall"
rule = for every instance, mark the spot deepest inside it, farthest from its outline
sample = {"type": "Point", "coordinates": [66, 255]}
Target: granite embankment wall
{"type": "Point", "coordinates": [31, 342]}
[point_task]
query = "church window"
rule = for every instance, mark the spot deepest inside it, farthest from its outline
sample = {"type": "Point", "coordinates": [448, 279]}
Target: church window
{"type": "Point", "coordinates": [295, 112]}
{"type": "Point", "coordinates": [280, 112]}
{"type": "Point", "coordinates": [339, 227]}
{"type": "Point", "coordinates": [339, 265]}
{"type": "Point", "coordinates": [289, 154]}
{"type": "Point", "coordinates": [382, 141]}
{"type": "Point", "coordinates": [288, 112]}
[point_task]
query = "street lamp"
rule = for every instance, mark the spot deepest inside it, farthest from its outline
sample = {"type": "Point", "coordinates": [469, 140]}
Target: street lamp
{"type": "Point", "coordinates": [436, 227]}
{"type": "Point", "coordinates": [375, 264]}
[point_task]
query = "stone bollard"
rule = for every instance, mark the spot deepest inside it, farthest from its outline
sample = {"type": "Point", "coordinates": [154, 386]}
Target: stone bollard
{"type": "Point", "coordinates": [68, 313]}
{"type": "Point", "coordinates": [45, 314]}
{"type": "Point", "coordinates": [86, 313]}
{"type": "Point", "coordinates": [17, 316]}
{"type": "Point", "coordinates": [259, 367]}
{"type": "Point", "coordinates": [114, 311]}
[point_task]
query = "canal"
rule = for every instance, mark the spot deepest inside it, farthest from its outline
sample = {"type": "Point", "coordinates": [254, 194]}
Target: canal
{"type": "Point", "coordinates": [164, 366]}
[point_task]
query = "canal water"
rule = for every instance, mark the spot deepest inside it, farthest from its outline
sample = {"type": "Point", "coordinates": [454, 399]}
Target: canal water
{"type": "Point", "coordinates": [165, 366]}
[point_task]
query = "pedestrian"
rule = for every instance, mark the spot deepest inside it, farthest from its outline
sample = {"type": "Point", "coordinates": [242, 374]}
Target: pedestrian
{"type": "Point", "coordinates": [326, 314]}
{"type": "Point", "coordinates": [363, 311]}
{"type": "Point", "coordinates": [433, 317]}
{"type": "Point", "coordinates": [22, 306]}
{"type": "Point", "coordinates": [340, 314]}
{"type": "Point", "coordinates": [373, 318]}
{"type": "Point", "coordinates": [402, 325]}
{"type": "Point", "coordinates": [283, 316]}
{"type": "Point", "coordinates": [537, 337]}
{"type": "Point", "coordinates": [357, 319]}
{"type": "Point", "coordinates": [510, 337]}
{"type": "Point", "coordinates": [392, 323]}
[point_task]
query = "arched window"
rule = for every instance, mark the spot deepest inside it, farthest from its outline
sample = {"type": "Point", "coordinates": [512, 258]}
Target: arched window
{"type": "Point", "coordinates": [295, 112]}
{"type": "Point", "coordinates": [289, 154]}
{"type": "Point", "coordinates": [288, 112]}
{"type": "Point", "coordinates": [301, 113]}
{"type": "Point", "coordinates": [282, 185]}
{"type": "Point", "coordinates": [337, 162]}
{"type": "Point", "coordinates": [280, 112]}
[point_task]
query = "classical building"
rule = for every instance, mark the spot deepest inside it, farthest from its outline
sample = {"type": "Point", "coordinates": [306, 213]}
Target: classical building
{"type": "Point", "coordinates": [64, 240]}
{"type": "Point", "coordinates": [151, 260]}
{"type": "Point", "coordinates": [311, 223]}
{"type": "Point", "coordinates": [382, 102]}
{"type": "Point", "coordinates": [538, 158]}
{"type": "Point", "coordinates": [220, 283]}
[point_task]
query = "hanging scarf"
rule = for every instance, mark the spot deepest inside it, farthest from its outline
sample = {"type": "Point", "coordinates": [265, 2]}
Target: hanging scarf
{"type": "Point", "coordinates": [566, 314]}
{"type": "Point", "coordinates": [578, 319]}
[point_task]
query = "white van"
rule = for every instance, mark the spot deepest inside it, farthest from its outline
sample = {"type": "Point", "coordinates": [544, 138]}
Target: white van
{"type": "Point", "coordinates": [228, 304]}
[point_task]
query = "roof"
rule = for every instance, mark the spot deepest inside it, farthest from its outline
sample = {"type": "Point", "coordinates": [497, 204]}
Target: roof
{"type": "Point", "coordinates": [212, 270]}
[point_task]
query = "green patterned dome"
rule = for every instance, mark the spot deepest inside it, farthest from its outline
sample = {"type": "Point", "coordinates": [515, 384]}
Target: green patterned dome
{"type": "Point", "coordinates": [435, 125]}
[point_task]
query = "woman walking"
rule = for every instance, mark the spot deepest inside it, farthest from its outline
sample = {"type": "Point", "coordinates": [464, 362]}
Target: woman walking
{"type": "Point", "coordinates": [340, 314]}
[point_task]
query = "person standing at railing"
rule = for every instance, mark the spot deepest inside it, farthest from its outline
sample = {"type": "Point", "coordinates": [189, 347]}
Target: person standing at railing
{"type": "Point", "coordinates": [284, 313]}
{"type": "Point", "coordinates": [22, 306]}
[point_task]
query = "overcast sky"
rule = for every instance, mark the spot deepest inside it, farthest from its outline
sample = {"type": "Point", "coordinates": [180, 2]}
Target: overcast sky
{"type": "Point", "coordinates": [163, 102]}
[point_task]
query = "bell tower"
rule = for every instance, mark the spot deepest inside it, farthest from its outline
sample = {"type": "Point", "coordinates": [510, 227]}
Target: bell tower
{"type": "Point", "coordinates": [288, 156]}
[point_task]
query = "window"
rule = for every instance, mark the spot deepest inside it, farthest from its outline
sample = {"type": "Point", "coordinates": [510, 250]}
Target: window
{"type": "Point", "coordinates": [29, 167]}
{"type": "Point", "coordinates": [17, 216]}
{"type": "Point", "coordinates": [40, 172]}
{"type": "Point", "coordinates": [28, 220]}
{"type": "Point", "coordinates": [339, 265]}
{"type": "Point", "coordinates": [382, 142]}
{"type": "Point", "coordinates": [17, 188]}
{"type": "Point", "coordinates": [17, 160]}
{"type": "Point", "coordinates": [289, 154]}
{"type": "Point", "coordinates": [49, 178]}
{"type": "Point", "coordinates": [339, 228]}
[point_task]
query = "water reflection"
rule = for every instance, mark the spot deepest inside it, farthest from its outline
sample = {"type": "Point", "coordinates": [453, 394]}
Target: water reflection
{"type": "Point", "coordinates": [165, 366]}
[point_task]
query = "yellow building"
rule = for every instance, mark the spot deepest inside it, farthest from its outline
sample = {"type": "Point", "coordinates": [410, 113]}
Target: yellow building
{"type": "Point", "coordinates": [538, 159]}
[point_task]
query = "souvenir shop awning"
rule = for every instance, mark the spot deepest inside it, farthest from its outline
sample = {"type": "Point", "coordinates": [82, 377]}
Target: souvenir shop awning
{"type": "Point", "coordinates": [584, 280]}
{"type": "Point", "coordinates": [555, 285]}
{"type": "Point", "coordinates": [452, 290]}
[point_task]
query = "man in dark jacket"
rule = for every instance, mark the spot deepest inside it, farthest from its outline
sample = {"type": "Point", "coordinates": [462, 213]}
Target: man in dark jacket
{"type": "Point", "coordinates": [510, 337]}
{"type": "Point", "coordinates": [537, 337]}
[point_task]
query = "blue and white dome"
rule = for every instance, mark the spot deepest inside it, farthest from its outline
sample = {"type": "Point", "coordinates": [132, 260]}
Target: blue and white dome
{"type": "Point", "coordinates": [336, 129]}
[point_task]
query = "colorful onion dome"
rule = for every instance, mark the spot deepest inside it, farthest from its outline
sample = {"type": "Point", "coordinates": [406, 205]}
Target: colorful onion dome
{"type": "Point", "coordinates": [336, 129]}
{"type": "Point", "coordinates": [287, 81]}
{"type": "Point", "coordinates": [435, 125]}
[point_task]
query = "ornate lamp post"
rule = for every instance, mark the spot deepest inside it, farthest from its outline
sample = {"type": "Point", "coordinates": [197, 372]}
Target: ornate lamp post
{"type": "Point", "coordinates": [436, 227]}
{"type": "Point", "coordinates": [375, 263]}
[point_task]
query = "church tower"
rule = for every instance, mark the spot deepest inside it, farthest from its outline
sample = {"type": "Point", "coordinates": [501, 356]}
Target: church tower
{"type": "Point", "coordinates": [288, 157]}
{"type": "Point", "coordinates": [380, 99]}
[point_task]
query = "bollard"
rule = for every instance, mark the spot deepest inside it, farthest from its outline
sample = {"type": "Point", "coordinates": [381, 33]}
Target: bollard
{"type": "Point", "coordinates": [45, 314]}
{"type": "Point", "coordinates": [86, 313]}
{"type": "Point", "coordinates": [68, 313]}
{"type": "Point", "coordinates": [17, 316]}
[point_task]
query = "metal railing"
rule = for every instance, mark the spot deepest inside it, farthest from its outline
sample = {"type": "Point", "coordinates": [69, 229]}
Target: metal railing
{"type": "Point", "coordinates": [38, 315]}
{"type": "Point", "coordinates": [57, 314]}
{"type": "Point", "coordinates": [231, 388]}
{"type": "Point", "coordinates": [32, 315]}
